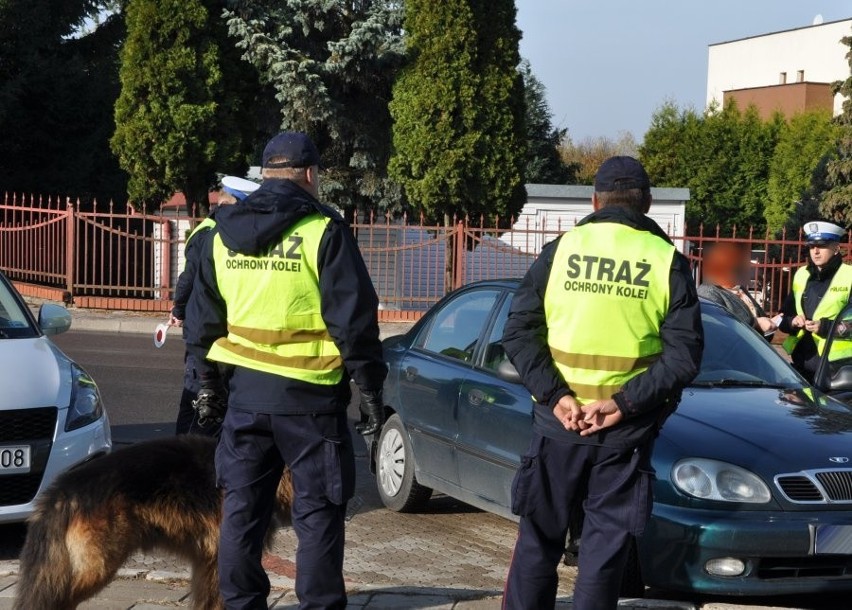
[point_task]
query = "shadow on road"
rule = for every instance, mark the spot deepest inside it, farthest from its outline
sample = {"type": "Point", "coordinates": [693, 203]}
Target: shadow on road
{"type": "Point", "coordinates": [440, 504]}
{"type": "Point", "coordinates": [12, 536]}
{"type": "Point", "coordinates": [413, 598]}
{"type": "Point", "coordinates": [817, 601]}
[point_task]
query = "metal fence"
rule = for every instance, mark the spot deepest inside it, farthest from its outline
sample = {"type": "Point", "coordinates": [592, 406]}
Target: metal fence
{"type": "Point", "coordinates": [121, 259]}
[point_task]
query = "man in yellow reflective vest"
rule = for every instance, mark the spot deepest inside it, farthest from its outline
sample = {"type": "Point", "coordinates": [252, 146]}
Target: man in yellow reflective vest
{"type": "Point", "coordinates": [233, 189]}
{"type": "Point", "coordinates": [820, 290]}
{"type": "Point", "coordinates": [605, 331]}
{"type": "Point", "coordinates": [283, 301]}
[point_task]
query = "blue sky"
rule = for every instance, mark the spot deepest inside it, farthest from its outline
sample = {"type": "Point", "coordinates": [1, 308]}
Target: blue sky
{"type": "Point", "coordinates": [609, 64]}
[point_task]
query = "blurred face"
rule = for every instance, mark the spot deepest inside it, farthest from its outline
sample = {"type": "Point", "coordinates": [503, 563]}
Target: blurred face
{"type": "Point", "coordinates": [726, 265]}
{"type": "Point", "coordinates": [821, 252]}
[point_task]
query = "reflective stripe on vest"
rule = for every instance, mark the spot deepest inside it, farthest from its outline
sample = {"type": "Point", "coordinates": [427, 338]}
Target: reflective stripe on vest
{"type": "Point", "coordinates": [275, 323]}
{"type": "Point", "coordinates": [832, 302]}
{"type": "Point", "coordinates": [606, 298]}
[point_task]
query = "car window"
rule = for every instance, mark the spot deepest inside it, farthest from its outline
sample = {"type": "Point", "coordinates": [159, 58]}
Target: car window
{"type": "Point", "coordinates": [457, 326]}
{"type": "Point", "coordinates": [495, 355]}
{"type": "Point", "coordinates": [733, 352]}
{"type": "Point", "coordinates": [13, 319]}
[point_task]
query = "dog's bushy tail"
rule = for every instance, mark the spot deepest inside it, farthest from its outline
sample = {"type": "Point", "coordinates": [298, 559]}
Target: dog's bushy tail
{"type": "Point", "coordinates": [46, 573]}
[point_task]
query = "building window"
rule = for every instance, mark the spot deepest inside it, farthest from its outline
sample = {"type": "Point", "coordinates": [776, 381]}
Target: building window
{"type": "Point", "coordinates": [782, 78]}
{"type": "Point", "coordinates": [800, 76]}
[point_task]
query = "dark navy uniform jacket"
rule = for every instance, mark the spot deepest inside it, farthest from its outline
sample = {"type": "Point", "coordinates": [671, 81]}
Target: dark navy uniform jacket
{"type": "Point", "coordinates": [647, 399]}
{"type": "Point", "coordinates": [349, 304]}
{"type": "Point", "coordinates": [183, 288]}
{"type": "Point", "coordinates": [805, 355]}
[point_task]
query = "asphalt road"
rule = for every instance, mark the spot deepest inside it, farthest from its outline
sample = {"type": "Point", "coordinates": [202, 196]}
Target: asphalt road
{"type": "Point", "coordinates": [139, 383]}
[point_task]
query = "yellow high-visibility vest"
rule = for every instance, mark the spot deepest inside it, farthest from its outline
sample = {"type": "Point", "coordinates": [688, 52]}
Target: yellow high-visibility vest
{"type": "Point", "coordinates": [833, 301]}
{"type": "Point", "coordinates": [606, 298]}
{"type": "Point", "coordinates": [273, 308]}
{"type": "Point", "coordinates": [207, 223]}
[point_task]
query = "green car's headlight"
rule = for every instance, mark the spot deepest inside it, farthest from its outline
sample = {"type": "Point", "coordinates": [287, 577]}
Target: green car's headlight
{"type": "Point", "coordinates": [715, 480]}
{"type": "Point", "coordinates": [86, 406]}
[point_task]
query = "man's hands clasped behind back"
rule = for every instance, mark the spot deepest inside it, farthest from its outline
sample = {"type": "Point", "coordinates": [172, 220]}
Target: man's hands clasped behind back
{"type": "Point", "coordinates": [599, 415]}
{"type": "Point", "coordinates": [589, 418]}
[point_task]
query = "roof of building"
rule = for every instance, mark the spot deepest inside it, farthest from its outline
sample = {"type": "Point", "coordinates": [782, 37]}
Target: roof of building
{"type": "Point", "coordinates": [804, 27]}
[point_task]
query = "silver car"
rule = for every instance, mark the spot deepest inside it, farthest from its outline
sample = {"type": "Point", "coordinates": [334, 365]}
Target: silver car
{"type": "Point", "coordinates": [51, 413]}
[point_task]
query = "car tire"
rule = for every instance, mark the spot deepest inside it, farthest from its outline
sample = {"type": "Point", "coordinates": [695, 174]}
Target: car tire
{"type": "Point", "coordinates": [398, 488]}
{"type": "Point", "coordinates": [632, 584]}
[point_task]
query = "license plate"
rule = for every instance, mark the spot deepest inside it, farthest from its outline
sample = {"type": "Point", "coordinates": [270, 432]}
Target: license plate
{"type": "Point", "coordinates": [14, 459]}
{"type": "Point", "coordinates": [833, 540]}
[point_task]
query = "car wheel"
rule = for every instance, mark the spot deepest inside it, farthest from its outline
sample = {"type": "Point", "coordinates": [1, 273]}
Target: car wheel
{"type": "Point", "coordinates": [398, 488]}
{"type": "Point", "coordinates": [632, 584]}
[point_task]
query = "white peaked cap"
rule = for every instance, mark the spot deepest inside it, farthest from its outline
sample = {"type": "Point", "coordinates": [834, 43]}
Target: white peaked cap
{"type": "Point", "coordinates": [239, 187]}
{"type": "Point", "coordinates": [824, 231]}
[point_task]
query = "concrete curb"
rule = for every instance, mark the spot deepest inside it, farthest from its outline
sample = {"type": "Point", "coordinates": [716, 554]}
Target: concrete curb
{"type": "Point", "coordinates": [118, 321]}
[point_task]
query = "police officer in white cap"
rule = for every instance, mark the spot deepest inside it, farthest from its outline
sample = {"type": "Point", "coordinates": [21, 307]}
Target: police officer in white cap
{"type": "Point", "coordinates": [236, 187]}
{"type": "Point", "coordinates": [820, 291]}
{"type": "Point", "coordinates": [233, 189]}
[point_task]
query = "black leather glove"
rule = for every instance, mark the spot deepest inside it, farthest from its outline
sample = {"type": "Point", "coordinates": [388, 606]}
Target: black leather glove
{"type": "Point", "coordinates": [372, 413]}
{"type": "Point", "coordinates": [210, 404]}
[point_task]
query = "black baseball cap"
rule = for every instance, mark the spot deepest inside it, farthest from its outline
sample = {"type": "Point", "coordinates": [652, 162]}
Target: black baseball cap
{"type": "Point", "coordinates": [621, 173]}
{"type": "Point", "coordinates": [295, 147]}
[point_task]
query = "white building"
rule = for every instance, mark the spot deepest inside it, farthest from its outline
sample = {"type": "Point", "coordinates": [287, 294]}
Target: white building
{"type": "Point", "coordinates": [791, 70]}
{"type": "Point", "coordinates": [552, 209]}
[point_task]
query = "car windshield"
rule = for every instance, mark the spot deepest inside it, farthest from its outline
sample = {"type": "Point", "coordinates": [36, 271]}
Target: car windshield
{"type": "Point", "coordinates": [14, 321]}
{"type": "Point", "coordinates": [736, 356]}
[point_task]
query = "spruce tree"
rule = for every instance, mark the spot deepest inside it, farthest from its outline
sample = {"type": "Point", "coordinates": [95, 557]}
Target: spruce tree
{"type": "Point", "coordinates": [330, 64]}
{"type": "Point", "coordinates": [722, 156]}
{"type": "Point", "coordinates": [179, 118]}
{"type": "Point", "coordinates": [804, 146]}
{"type": "Point", "coordinates": [836, 204]}
{"type": "Point", "coordinates": [58, 84]}
{"type": "Point", "coordinates": [458, 110]}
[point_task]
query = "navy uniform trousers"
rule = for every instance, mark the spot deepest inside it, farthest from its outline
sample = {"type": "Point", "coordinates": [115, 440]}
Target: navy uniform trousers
{"type": "Point", "coordinates": [187, 418]}
{"type": "Point", "coordinates": [250, 457]}
{"type": "Point", "coordinates": [615, 487]}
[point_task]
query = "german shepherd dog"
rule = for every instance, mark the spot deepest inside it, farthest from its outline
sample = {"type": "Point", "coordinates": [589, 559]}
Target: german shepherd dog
{"type": "Point", "coordinates": [153, 494]}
